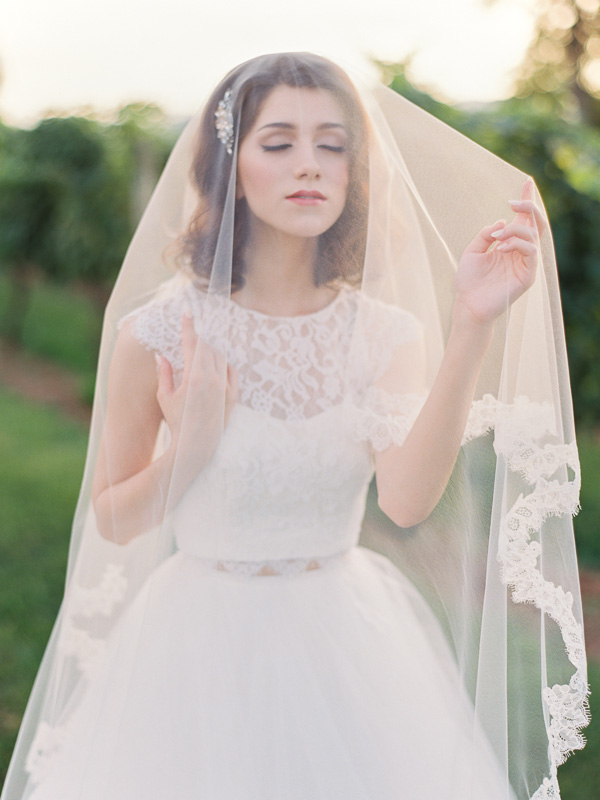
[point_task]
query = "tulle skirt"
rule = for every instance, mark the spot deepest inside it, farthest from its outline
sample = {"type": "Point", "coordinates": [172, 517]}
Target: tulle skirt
{"type": "Point", "coordinates": [330, 684]}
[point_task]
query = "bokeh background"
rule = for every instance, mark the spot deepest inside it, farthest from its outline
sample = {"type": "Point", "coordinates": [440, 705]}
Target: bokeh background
{"type": "Point", "coordinates": [92, 97]}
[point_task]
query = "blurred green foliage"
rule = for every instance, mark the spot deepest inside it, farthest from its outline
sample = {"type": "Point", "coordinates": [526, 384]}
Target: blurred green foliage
{"type": "Point", "coordinates": [560, 67]}
{"type": "Point", "coordinates": [41, 460]}
{"type": "Point", "coordinates": [586, 522]}
{"type": "Point", "coordinates": [71, 191]}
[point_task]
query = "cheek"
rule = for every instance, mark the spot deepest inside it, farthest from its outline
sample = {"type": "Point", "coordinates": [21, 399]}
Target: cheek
{"type": "Point", "coordinates": [343, 178]}
{"type": "Point", "coordinates": [256, 176]}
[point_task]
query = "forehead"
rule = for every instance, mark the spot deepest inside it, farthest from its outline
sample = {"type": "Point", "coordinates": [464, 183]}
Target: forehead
{"type": "Point", "coordinates": [299, 106]}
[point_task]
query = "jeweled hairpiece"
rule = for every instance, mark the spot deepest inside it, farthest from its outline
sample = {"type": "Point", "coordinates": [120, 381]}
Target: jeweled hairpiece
{"type": "Point", "coordinates": [224, 121]}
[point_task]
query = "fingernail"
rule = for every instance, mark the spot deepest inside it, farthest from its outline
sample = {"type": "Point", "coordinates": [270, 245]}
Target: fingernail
{"type": "Point", "coordinates": [502, 246]}
{"type": "Point", "coordinates": [514, 202]}
{"type": "Point", "coordinates": [157, 359]}
{"type": "Point", "coordinates": [497, 234]}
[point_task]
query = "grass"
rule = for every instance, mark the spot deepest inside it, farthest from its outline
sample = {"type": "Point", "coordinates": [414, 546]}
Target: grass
{"type": "Point", "coordinates": [587, 522]}
{"type": "Point", "coordinates": [41, 462]}
{"type": "Point", "coordinates": [61, 324]}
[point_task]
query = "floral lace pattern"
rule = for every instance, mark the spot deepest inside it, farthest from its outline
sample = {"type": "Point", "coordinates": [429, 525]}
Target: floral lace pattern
{"type": "Point", "coordinates": [384, 419]}
{"type": "Point", "coordinates": [84, 648]}
{"type": "Point", "coordinates": [45, 745]}
{"type": "Point", "coordinates": [100, 599]}
{"type": "Point", "coordinates": [516, 427]}
{"type": "Point", "coordinates": [548, 790]}
{"type": "Point", "coordinates": [77, 643]}
{"type": "Point", "coordinates": [292, 491]}
{"type": "Point", "coordinates": [158, 326]}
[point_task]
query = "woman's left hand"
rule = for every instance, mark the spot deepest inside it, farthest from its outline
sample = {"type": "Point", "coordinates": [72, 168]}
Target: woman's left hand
{"type": "Point", "coordinates": [490, 278]}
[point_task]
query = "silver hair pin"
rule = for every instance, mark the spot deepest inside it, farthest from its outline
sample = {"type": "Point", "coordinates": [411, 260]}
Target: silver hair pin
{"type": "Point", "coordinates": [224, 121]}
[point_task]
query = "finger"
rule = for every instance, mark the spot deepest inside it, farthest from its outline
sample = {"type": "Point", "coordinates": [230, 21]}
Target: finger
{"type": "Point", "coordinates": [531, 212]}
{"type": "Point", "coordinates": [232, 382]}
{"type": "Point", "coordinates": [516, 229]}
{"type": "Point", "coordinates": [528, 249]}
{"type": "Point", "coordinates": [218, 359]}
{"type": "Point", "coordinates": [527, 190]}
{"type": "Point", "coordinates": [209, 367]}
{"type": "Point", "coordinates": [189, 341]}
{"type": "Point", "coordinates": [484, 238]}
{"type": "Point", "coordinates": [165, 376]}
{"type": "Point", "coordinates": [527, 206]}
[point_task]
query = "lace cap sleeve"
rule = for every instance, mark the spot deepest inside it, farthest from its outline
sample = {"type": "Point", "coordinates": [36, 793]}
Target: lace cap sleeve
{"type": "Point", "coordinates": [383, 409]}
{"type": "Point", "coordinates": [157, 324]}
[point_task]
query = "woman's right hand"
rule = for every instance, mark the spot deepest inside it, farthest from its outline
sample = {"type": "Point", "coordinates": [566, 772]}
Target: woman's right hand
{"type": "Point", "coordinates": [195, 408]}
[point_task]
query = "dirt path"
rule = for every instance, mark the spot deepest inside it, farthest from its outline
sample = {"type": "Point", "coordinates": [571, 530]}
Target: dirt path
{"type": "Point", "coordinates": [42, 381]}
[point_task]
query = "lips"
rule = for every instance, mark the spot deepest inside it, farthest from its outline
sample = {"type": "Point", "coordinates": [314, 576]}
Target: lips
{"type": "Point", "coordinates": [306, 195]}
{"type": "Point", "coordinates": [306, 198]}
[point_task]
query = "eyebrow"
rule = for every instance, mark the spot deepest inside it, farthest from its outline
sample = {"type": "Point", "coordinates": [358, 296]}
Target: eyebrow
{"type": "Point", "coordinates": [289, 126]}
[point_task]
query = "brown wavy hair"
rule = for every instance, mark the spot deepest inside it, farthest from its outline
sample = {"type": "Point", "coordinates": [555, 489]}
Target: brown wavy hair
{"type": "Point", "coordinates": [341, 249]}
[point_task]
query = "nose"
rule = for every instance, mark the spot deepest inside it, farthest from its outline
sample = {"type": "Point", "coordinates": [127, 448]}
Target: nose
{"type": "Point", "coordinates": [307, 163]}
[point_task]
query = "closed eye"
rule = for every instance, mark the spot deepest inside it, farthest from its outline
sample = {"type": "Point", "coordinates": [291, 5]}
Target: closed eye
{"type": "Point", "coordinates": [272, 147]}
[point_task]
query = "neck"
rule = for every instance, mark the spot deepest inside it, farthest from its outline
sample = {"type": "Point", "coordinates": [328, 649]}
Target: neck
{"type": "Point", "coordinates": [280, 274]}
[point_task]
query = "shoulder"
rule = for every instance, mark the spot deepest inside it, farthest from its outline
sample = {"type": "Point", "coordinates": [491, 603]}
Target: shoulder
{"type": "Point", "coordinates": [157, 323]}
{"type": "Point", "coordinates": [385, 321]}
{"type": "Point", "coordinates": [382, 334]}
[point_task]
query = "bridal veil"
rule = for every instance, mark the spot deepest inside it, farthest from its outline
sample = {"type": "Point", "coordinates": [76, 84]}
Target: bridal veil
{"type": "Point", "coordinates": [496, 559]}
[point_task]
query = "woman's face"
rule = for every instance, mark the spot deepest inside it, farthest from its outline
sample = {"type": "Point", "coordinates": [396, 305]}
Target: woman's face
{"type": "Point", "coordinates": [293, 162]}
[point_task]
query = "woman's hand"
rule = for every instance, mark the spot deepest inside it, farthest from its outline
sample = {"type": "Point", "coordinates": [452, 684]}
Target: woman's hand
{"type": "Point", "coordinates": [490, 278]}
{"type": "Point", "coordinates": [197, 404]}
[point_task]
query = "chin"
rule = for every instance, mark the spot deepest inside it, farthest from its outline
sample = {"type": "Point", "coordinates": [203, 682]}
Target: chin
{"type": "Point", "coordinates": [312, 232]}
{"type": "Point", "coordinates": [309, 228]}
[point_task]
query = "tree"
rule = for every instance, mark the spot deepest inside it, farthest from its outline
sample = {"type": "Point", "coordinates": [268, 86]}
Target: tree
{"type": "Point", "coordinates": [71, 192]}
{"type": "Point", "coordinates": [561, 70]}
{"type": "Point", "coordinates": [28, 199]}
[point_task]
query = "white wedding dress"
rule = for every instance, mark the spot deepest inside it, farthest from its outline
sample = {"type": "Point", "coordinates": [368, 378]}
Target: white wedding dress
{"type": "Point", "coordinates": [297, 665]}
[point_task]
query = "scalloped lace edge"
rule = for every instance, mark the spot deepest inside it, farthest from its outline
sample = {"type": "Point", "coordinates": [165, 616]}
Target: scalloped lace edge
{"type": "Point", "coordinates": [516, 426]}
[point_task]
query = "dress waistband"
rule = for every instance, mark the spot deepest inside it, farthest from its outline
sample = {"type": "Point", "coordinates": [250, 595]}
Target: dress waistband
{"type": "Point", "coordinates": [277, 566]}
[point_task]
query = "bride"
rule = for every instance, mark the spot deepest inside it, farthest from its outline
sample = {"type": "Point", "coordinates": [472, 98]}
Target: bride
{"type": "Point", "coordinates": [346, 301]}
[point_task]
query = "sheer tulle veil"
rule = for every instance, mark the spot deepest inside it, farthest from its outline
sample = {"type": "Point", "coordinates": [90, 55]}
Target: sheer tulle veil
{"type": "Point", "coordinates": [495, 561]}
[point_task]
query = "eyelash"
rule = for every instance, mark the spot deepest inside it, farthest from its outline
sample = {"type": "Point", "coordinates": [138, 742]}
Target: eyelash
{"type": "Point", "coordinates": [278, 147]}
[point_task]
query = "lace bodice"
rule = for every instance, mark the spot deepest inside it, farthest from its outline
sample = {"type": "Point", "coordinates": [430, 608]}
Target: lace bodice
{"type": "Point", "coordinates": [291, 472]}
{"type": "Point", "coordinates": [291, 368]}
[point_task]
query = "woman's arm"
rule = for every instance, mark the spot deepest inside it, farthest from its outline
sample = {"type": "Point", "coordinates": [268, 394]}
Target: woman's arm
{"type": "Point", "coordinates": [412, 478]}
{"type": "Point", "coordinates": [130, 491]}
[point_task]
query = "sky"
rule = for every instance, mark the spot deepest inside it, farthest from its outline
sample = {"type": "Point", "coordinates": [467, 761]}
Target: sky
{"type": "Point", "coordinates": [61, 55]}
